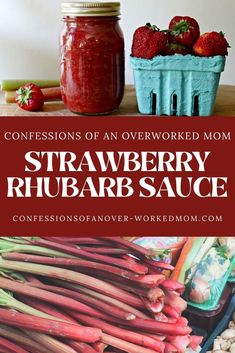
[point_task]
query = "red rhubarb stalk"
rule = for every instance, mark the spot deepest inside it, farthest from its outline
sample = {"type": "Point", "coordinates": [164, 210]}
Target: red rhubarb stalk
{"type": "Point", "coordinates": [124, 334]}
{"type": "Point", "coordinates": [155, 307]}
{"type": "Point", "coordinates": [161, 317]}
{"type": "Point", "coordinates": [182, 321]}
{"type": "Point", "coordinates": [8, 301]}
{"type": "Point", "coordinates": [142, 281]}
{"type": "Point", "coordinates": [172, 285]}
{"type": "Point", "coordinates": [11, 347]}
{"type": "Point", "coordinates": [77, 240]}
{"type": "Point", "coordinates": [124, 345]}
{"type": "Point", "coordinates": [129, 245]}
{"type": "Point", "coordinates": [169, 348]}
{"type": "Point", "coordinates": [46, 308]}
{"type": "Point", "coordinates": [132, 265]}
{"type": "Point", "coordinates": [96, 303]}
{"type": "Point", "coordinates": [179, 342]}
{"type": "Point", "coordinates": [148, 325]}
{"type": "Point", "coordinates": [195, 341]}
{"type": "Point", "coordinates": [9, 246]}
{"type": "Point", "coordinates": [72, 276]}
{"type": "Point", "coordinates": [31, 278]}
{"type": "Point", "coordinates": [52, 327]}
{"type": "Point", "coordinates": [103, 297]}
{"type": "Point", "coordinates": [174, 300]}
{"type": "Point", "coordinates": [20, 338]}
{"type": "Point", "coordinates": [50, 343]}
{"type": "Point", "coordinates": [158, 264]}
{"type": "Point", "coordinates": [155, 293]}
{"type": "Point", "coordinates": [160, 327]}
{"type": "Point", "coordinates": [141, 292]}
{"type": "Point", "coordinates": [100, 347]}
{"type": "Point", "coordinates": [106, 251]}
{"type": "Point", "coordinates": [170, 311]}
{"type": "Point", "coordinates": [40, 305]}
{"type": "Point", "coordinates": [60, 261]}
{"type": "Point", "coordinates": [80, 347]}
{"type": "Point", "coordinates": [50, 297]}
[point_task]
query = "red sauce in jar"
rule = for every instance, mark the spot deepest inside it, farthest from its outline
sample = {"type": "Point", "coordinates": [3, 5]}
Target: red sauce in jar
{"type": "Point", "coordinates": [92, 58]}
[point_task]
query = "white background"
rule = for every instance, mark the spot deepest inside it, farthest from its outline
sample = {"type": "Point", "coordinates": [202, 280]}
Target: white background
{"type": "Point", "coordinates": [29, 31]}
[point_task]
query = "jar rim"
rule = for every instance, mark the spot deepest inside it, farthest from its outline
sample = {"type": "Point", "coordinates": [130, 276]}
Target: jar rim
{"type": "Point", "coordinates": [95, 9]}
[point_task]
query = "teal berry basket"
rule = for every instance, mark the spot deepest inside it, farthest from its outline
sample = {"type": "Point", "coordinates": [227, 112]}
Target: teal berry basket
{"type": "Point", "coordinates": [177, 85]}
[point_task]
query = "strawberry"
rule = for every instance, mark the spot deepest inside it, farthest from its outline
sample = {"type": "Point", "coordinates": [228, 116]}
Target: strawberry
{"type": "Point", "coordinates": [211, 44]}
{"type": "Point", "coordinates": [149, 41]}
{"type": "Point", "coordinates": [176, 48]}
{"type": "Point", "coordinates": [185, 30]}
{"type": "Point", "coordinates": [29, 97]}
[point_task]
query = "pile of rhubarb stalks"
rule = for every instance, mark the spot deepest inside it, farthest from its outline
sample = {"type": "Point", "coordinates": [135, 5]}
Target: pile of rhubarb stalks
{"type": "Point", "coordinates": [87, 295]}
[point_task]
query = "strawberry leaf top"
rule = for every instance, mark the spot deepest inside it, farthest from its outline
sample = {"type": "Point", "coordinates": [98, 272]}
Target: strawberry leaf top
{"type": "Point", "coordinates": [152, 27]}
{"type": "Point", "coordinates": [24, 94]}
{"type": "Point", "coordinates": [223, 35]}
{"type": "Point", "coordinates": [181, 27]}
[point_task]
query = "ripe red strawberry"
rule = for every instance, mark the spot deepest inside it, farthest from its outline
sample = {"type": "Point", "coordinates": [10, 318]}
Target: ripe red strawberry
{"type": "Point", "coordinates": [149, 41]}
{"type": "Point", "coordinates": [185, 30]}
{"type": "Point", "coordinates": [176, 48]}
{"type": "Point", "coordinates": [29, 97]}
{"type": "Point", "coordinates": [211, 44]}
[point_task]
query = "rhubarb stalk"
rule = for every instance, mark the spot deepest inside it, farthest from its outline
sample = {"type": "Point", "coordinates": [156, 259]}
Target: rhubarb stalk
{"type": "Point", "coordinates": [10, 346]}
{"type": "Point", "coordinates": [105, 298]}
{"type": "Point", "coordinates": [124, 334]}
{"type": "Point", "coordinates": [70, 262]}
{"type": "Point", "coordinates": [131, 265]}
{"type": "Point", "coordinates": [72, 276]}
{"type": "Point", "coordinates": [93, 302]}
{"type": "Point", "coordinates": [19, 337]}
{"type": "Point", "coordinates": [7, 246]}
{"type": "Point", "coordinates": [53, 345]}
{"type": "Point", "coordinates": [52, 327]}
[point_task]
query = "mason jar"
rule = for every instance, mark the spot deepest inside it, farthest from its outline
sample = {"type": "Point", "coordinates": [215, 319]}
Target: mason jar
{"type": "Point", "coordinates": [92, 57]}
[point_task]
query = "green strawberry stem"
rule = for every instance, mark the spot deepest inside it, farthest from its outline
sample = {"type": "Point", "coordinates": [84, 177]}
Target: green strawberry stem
{"type": "Point", "coordinates": [24, 94]}
{"type": "Point", "coordinates": [152, 27]}
{"type": "Point", "coordinates": [180, 27]}
{"type": "Point", "coordinates": [223, 35]}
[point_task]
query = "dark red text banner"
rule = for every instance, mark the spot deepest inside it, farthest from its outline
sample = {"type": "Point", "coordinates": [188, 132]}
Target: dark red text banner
{"type": "Point", "coordinates": [152, 208]}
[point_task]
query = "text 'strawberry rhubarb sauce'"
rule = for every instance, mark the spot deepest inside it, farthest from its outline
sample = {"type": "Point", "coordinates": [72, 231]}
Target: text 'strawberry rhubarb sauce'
{"type": "Point", "coordinates": [92, 57]}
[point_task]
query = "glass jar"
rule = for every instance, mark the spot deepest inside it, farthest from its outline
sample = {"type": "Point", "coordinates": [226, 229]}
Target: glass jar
{"type": "Point", "coordinates": [92, 57]}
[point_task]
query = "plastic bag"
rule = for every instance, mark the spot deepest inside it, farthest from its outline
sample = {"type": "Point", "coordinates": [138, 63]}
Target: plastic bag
{"type": "Point", "coordinates": [209, 279]}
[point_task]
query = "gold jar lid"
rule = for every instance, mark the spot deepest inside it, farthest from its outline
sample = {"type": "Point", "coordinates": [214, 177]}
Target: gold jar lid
{"type": "Point", "coordinates": [91, 9]}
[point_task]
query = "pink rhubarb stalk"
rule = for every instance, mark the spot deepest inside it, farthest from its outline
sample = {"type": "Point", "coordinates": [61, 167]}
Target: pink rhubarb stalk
{"type": "Point", "coordinates": [11, 347]}
{"type": "Point", "coordinates": [124, 345]}
{"type": "Point", "coordinates": [93, 302]}
{"type": "Point", "coordinates": [50, 343]}
{"type": "Point", "coordinates": [132, 246]}
{"type": "Point", "coordinates": [132, 265]}
{"type": "Point", "coordinates": [60, 261]}
{"type": "Point", "coordinates": [124, 334]}
{"type": "Point", "coordinates": [72, 276]}
{"type": "Point", "coordinates": [52, 327]}
{"type": "Point", "coordinates": [50, 297]}
{"type": "Point", "coordinates": [105, 298]}
{"type": "Point", "coordinates": [20, 338]}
